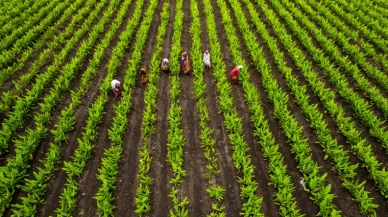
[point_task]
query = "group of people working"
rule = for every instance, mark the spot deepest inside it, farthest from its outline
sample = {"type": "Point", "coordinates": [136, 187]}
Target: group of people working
{"type": "Point", "coordinates": [185, 66]}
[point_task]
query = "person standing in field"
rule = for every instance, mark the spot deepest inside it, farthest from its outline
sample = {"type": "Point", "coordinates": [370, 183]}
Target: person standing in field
{"type": "Point", "coordinates": [165, 65]}
{"type": "Point", "coordinates": [206, 59]}
{"type": "Point", "coordinates": [234, 74]}
{"type": "Point", "coordinates": [116, 87]}
{"type": "Point", "coordinates": [185, 63]}
{"type": "Point", "coordinates": [144, 78]}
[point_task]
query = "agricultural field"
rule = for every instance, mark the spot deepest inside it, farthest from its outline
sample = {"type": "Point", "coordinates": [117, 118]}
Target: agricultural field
{"type": "Point", "coordinates": [303, 133]}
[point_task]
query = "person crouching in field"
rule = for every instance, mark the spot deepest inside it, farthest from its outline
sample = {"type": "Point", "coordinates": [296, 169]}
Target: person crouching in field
{"type": "Point", "coordinates": [206, 59]}
{"type": "Point", "coordinates": [165, 65]}
{"type": "Point", "coordinates": [234, 74]}
{"type": "Point", "coordinates": [144, 78]}
{"type": "Point", "coordinates": [116, 87]}
{"type": "Point", "coordinates": [185, 63]}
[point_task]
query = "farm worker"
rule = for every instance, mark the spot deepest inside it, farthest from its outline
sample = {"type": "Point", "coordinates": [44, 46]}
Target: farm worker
{"type": "Point", "coordinates": [115, 87]}
{"type": "Point", "coordinates": [185, 63]}
{"type": "Point", "coordinates": [234, 74]}
{"type": "Point", "coordinates": [143, 73]}
{"type": "Point", "coordinates": [165, 65]}
{"type": "Point", "coordinates": [206, 59]}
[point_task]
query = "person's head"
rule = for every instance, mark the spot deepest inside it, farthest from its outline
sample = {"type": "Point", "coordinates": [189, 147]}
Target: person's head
{"type": "Point", "coordinates": [207, 52]}
{"type": "Point", "coordinates": [184, 53]}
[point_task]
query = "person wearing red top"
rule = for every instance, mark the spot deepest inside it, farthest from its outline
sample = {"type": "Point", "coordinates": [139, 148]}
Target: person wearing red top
{"type": "Point", "coordinates": [116, 87]}
{"type": "Point", "coordinates": [234, 74]}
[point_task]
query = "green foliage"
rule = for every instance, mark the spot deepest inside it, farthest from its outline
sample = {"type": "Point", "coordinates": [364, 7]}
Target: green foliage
{"type": "Point", "coordinates": [216, 192]}
{"type": "Point", "coordinates": [110, 163]}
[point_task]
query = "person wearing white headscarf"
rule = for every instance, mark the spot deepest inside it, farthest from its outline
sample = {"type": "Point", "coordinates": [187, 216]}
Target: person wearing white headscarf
{"type": "Point", "coordinates": [206, 59]}
{"type": "Point", "coordinates": [115, 87]}
{"type": "Point", "coordinates": [165, 65]}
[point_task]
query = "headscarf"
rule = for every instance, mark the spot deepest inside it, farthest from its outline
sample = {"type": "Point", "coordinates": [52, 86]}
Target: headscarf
{"type": "Point", "coordinates": [143, 70]}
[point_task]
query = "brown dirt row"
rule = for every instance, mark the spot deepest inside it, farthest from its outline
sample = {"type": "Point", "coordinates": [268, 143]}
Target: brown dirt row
{"type": "Point", "coordinates": [361, 171]}
{"type": "Point", "coordinates": [308, 133]}
{"type": "Point", "coordinates": [81, 111]}
{"type": "Point", "coordinates": [331, 123]}
{"type": "Point", "coordinates": [360, 35]}
{"type": "Point", "coordinates": [30, 122]}
{"type": "Point", "coordinates": [160, 171]}
{"type": "Point", "coordinates": [58, 180]}
{"type": "Point", "coordinates": [369, 58]}
{"type": "Point", "coordinates": [317, 153]}
{"type": "Point", "coordinates": [35, 23]}
{"type": "Point", "coordinates": [193, 185]}
{"type": "Point", "coordinates": [301, 196]}
{"type": "Point", "coordinates": [352, 83]}
{"type": "Point", "coordinates": [347, 107]}
{"type": "Point", "coordinates": [261, 166]}
{"type": "Point", "coordinates": [127, 180]}
{"type": "Point", "coordinates": [232, 201]}
{"type": "Point", "coordinates": [88, 183]}
{"type": "Point", "coordinates": [8, 84]}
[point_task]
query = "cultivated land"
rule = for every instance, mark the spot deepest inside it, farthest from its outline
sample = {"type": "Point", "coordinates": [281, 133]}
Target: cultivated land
{"type": "Point", "coordinates": [304, 133]}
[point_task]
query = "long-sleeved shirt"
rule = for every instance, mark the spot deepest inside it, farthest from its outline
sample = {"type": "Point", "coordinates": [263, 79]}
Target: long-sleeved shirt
{"type": "Point", "coordinates": [234, 72]}
{"type": "Point", "coordinates": [206, 59]}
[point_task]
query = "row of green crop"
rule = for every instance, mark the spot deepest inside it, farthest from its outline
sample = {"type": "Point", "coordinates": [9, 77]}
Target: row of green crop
{"type": "Point", "coordinates": [277, 168]}
{"type": "Point", "coordinates": [36, 186]}
{"type": "Point", "coordinates": [242, 161]}
{"type": "Point", "coordinates": [24, 17]}
{"type": "Point", "coordinates": [356, 24]}
{"type": "Point", "coordinates": [372, 5]}
{"type": "Point", "coordinates": [19, 63]}
{"type": "Point", "coordinates": [176, 140]}
{"type": "Point", "coordinates": [75, 167]}
{"type": "Point", "coordinates": [362, 10]}
{"type": "Point", "coordinates": [207, 139]}
{"type": "Point", "coordinates": [13, 9]}
{"type": "Point", "coordinates": [327, 97]}
{"type": "Point", "coordinates": [352, 50]}
{"type": "Point", "coordinates": [346, 30]}
{"type": "Point", "coordinates": [372, 22]}
{"type": "Point", "coordinates": [20, 43]}
{"type": "Point", "coordinates": [9, 97]}
{"type": "Point", "coordinates": [110, 162]}
{"type": "Point", "coordinates": [143, 191]}
{"type": "Point", "coordinates": [347, 66]}
{"type": "Point", "coordinates": [359, 105]}
{"type": "Point", "coordinates": [308, 167]}
{"type": "Point", "coordinates": [381, 4]}
{"type": "Point", "coordinates": [25, 146]}
{"type": "Point", "coordinates": [24, 104]}
{"type": "Point", "coordinates": [339, 157]}
{"type": "Point", "coordinates": [42, 10]}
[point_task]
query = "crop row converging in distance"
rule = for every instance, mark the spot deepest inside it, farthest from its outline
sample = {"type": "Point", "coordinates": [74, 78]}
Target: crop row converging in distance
{"type": "Point", "coordinates": [303, 133]}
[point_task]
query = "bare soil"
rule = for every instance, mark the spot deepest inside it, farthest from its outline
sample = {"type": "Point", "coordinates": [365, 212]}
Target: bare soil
{"type": "Point", "coordinates": [194, 185]}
